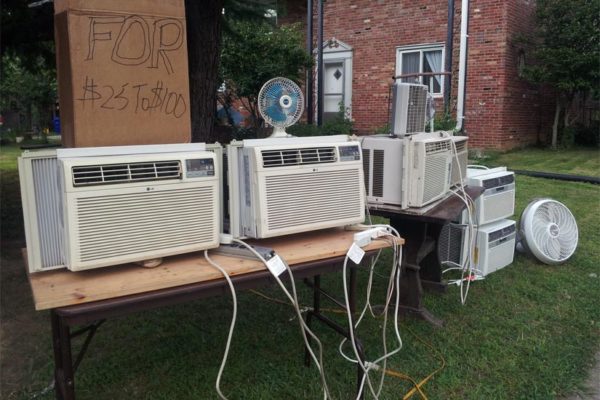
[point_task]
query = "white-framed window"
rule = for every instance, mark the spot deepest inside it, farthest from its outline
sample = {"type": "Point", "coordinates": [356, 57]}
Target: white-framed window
{"type": "Point", "coordinates": [421, 59]}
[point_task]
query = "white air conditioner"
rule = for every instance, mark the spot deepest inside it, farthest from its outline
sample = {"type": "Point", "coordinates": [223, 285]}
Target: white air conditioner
{"type": "Point", "coordinates": [494, 245]}
{"type": "Point", "coordinates": [498, 199]}
{"type": "Point", "coordinates": [410, 172]}
{"type": "Point", "coordinates": [281, 186]}
{"type": "Point", "coordinates": [460, 159]}
{"type": "Point", "coordinates": [121, 204]}
{"type": "Point", "coordinates": [409, 108]}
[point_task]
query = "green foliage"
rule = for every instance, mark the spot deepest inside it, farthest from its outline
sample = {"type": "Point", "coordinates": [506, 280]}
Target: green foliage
{"type": "Point", "coordinates": [442, 122]}
{"type": "Point", "coordinates": [566, 53]}
{"type": "Point", "coordinates": [338, 125]}
{"type": "Point", "coordinates": [30, 90]}
{"type": "Point", "coordinates": [566, 56]}
{"type": "Point", "coordinates": [255, 52]}
{"type": "Point", "coordinates": [587, 135]}
{"type": "Point", "coordinates": [383, 130]}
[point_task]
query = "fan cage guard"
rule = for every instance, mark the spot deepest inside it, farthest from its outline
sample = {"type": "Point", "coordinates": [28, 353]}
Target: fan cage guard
{"type": "Point", "coordinates": [267, 99]}
{"type": "Point", "coordinates": [549, 230]}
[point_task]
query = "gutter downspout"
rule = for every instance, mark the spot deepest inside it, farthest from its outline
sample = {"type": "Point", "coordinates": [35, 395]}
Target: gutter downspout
{"type": "Point", "coordinates": [320, 63]}
{"type": "Point", "coordinates": [448, 66]}
{"type": "Point", "coordinates": [462, 65]}
{"type": "Point", "coordinates": [309, 73]}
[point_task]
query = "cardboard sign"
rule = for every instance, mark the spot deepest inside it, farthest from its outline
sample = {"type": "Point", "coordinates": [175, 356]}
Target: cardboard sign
{"type": "Point", "coordinates": [122, 72]}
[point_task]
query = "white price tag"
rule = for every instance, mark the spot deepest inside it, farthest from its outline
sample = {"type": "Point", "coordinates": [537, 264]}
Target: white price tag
{"type": "Point", "coordinates": [355, 253]}
{"type": "Point", "coordinates": [276, 265]}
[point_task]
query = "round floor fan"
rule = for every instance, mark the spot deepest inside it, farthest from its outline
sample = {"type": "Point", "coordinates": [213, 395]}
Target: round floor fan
{"type": "Point", "coordinates": [280, 102]}
{"type": "Point", "coordinates": [548, 231]}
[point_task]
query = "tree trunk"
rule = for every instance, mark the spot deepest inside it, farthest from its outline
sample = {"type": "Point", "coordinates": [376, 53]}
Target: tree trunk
{"type": "Point", "coordinates": [555, 124]}
{"type": "Point", "coordinates": [204, 23]}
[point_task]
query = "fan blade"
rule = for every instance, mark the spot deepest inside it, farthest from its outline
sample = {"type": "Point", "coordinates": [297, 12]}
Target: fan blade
{"type": "Point", "coordinates": [276, 113]}
{"type": "Point", "coordinates": [274, 92]}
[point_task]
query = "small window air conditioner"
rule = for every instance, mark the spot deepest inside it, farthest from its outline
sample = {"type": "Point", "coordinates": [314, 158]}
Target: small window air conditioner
{"type": "Point", "coordinates": [410, 172]}
{"type": "Point", "coordinates": [409, 108]}
{"type": "Point", "coordinates": [281, 186]}
{"type": "Point", "coordinates": [498, 199]}
{"type": "Point", "coordinates": [494, 246]}
{"type": "Point", "coordinates": [460, 159]}
{"type": "Point", "coordinates": [95, 207]}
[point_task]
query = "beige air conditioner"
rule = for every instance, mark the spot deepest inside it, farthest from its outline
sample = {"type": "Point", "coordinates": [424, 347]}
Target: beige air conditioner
{"type": "Point", "coordinates": [281, 186]}
{"type": "Point", "coordinates": [411, 171]}
{"type": "Point", "coordinates": [121, 204]}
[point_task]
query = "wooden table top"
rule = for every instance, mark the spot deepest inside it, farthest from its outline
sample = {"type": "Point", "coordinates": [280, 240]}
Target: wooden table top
{"type": "Point", "coordinates": [59, 288]}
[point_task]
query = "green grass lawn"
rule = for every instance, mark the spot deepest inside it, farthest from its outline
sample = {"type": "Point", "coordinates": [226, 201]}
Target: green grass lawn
{"type": "Point", "coordinates": [578, 161]}
{"type": "Point", "coordinates": [529, 331]}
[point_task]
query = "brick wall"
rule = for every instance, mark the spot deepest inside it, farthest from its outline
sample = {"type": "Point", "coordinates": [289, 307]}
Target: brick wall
{"type": "Point", "coordinates": [502, 111]}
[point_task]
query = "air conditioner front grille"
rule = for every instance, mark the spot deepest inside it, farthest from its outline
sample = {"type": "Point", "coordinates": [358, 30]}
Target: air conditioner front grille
{"type": "Point", "coordinates": [437, 146]}
{"type": "Point", "coordinates": [378, 163]}
{"type": "Point", "coordinates": [137, 223]}
{"type": "Point", "coordinates": [290, 157]}
{"type": "Point", "coordinates": [434, 177]}
{"type": "Point", "coordinates": [106, 174]}
{"type": "Point", "coordinates": [305, 199]}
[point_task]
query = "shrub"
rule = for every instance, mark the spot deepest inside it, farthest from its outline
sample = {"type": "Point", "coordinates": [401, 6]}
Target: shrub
{"type": "Point", "coordinates": [587, 135]}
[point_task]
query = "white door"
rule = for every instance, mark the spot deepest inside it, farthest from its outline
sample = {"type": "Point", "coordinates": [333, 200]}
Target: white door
{"type": "Point", "coordinates": [333, 88]}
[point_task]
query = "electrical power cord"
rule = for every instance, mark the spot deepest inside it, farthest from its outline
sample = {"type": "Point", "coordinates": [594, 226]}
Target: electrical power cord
{"type": "Point", "coordinates": [304, 329]}
{"type": "Point", "coordinates": [231, 327]}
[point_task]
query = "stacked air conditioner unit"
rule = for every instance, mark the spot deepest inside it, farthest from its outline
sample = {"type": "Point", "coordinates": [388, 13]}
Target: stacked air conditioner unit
{"type": "Point", "coordinates": [411, 171]}
{"type": "Point", "coordinates": [498, 199]}
{"type": "Point", "coordinates": [494, 246]}
{"type": "Point", "coordinates": [409, 108]}
{"type": "Point", "coordinates": [495, 234]}
{"type": "Point", "coordinates": [280, 186]}
{"type": "Point", "coordinates": [460, 156]}
{"type": "Point", "coordinates": [94, 207]}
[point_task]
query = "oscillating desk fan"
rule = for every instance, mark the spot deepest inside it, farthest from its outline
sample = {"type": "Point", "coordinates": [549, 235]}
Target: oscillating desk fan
{"type": "Point", "coordinates": [548, 231]}
{"type": "Point", "coordinates": [280, 102]}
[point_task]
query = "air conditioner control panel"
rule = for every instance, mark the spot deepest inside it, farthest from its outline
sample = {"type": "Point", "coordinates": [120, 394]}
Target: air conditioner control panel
{"type": "Point", "coordinates": [199, 167]}
{"type": "Point", "coordinates": [349, 153]}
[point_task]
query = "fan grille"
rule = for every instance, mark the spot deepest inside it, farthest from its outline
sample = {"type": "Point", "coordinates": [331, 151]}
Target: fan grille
{"type": "Point", "coordinates": [275, 111]}
{"type": "Point", "coordinates": [552, 231]}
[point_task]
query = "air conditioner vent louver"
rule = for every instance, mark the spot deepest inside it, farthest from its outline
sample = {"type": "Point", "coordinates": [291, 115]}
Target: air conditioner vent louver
{"type": "Point", "coordinates": [302, 156]}
{"type": "Point", "coordinates": [437, 147]}
{"type": "Point", "coordinates": [500, 181]}
{"type": "Point", "coordinates": [106, 174]}
{"type": "Point", "coordinates": [416, 109]}
{"type": "Point", "coordinates": [378, 163]}
{"type": "Point", "coordinates": [461, 146]}
{"type": "Point", "coordinates": [366, 154]}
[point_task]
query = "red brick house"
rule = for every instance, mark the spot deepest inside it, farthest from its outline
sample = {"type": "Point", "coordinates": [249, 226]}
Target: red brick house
{"type": "Point", "coordinates": [366, 42]}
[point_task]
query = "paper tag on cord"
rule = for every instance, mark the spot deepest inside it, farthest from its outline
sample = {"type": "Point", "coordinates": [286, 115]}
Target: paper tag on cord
{"type": "Point", "coordinates": [276, 265]}
{"type": "Point", "coordinates": [355, 253]}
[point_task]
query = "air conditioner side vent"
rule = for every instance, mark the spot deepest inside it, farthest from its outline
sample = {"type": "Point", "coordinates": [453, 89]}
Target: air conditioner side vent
{"type": "Point", "coordinates": [366, 154]}
{"type": "Point", "coordinates": [461, 146]}
{"type": "Point", "coordinates": [300, 156]}
{"type": "Point", "coordinates": [107, 174]}
{"type": "Point", "coordinates": [378, 163]}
